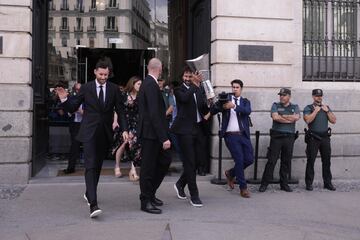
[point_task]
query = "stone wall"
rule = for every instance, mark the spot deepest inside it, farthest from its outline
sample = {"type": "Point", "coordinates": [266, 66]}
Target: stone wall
{"type": "Point", "coordinates": [278, 23]}
{"type": "Point", "coordinates": [15, 91]}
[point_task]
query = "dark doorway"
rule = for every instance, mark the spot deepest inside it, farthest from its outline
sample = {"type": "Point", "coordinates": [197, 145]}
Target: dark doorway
{"type": "Point", "coordinates": [126, 63]}
{"type": "Point", "coordinates": [39, 84]}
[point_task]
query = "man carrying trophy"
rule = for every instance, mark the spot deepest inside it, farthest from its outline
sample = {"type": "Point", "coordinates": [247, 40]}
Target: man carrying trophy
{"type": "Point", "coordinates": [192, 110]}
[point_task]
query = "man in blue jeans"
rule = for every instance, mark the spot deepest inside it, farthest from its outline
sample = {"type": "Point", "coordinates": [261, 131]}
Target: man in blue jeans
{"type": "Point", "coordinates": [235, 130]}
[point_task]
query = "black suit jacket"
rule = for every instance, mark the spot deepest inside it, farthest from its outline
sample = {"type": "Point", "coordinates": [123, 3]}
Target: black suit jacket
{"type": "Point", "coordinates": [152, 113]}
{"type": "Point", "coordinates": [95, 115]}
{"type": "Point", "coordinates": [186, 118]}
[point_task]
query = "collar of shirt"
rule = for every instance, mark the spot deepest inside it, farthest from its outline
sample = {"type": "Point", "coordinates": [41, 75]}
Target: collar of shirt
{"type": "Point", "coordinates": [186, 86]}
{"type": "Point", "coordinates": [98, 84]}
{"type": "Point", "coordinates": [154, 78]}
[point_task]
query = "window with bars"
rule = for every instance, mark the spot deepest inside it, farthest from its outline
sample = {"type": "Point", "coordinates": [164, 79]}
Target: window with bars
{"type": "Point", "coordinates": [331, 40]}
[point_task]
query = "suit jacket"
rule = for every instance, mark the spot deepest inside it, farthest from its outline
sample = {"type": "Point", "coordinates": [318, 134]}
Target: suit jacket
{"type": "Point", "coordinates": [95, 115]}
{"type": "Point", "coordinates": [243, 110]}
{"type": "Point", "coordinates": [152, 113]}
{"type": "Point", "coordinates": [186, 119]}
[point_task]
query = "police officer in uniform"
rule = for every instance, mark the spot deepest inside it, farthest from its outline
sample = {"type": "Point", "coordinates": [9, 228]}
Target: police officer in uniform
{"type": "Point", "coordinates": [318, 115]}
{"type": "Point", "coordinates": [282, 138]}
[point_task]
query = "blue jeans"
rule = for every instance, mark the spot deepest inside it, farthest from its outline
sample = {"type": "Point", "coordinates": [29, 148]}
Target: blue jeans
{"type": "Point", "coordinates": [241, 151]}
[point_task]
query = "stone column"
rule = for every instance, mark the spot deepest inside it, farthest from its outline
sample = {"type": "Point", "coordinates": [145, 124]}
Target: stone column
{"type": "Point", "coordinates": [15, 91]}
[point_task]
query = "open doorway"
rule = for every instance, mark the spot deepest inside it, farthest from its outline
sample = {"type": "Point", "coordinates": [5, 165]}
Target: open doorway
{"type": "Point", "coordinates": [129, 32]}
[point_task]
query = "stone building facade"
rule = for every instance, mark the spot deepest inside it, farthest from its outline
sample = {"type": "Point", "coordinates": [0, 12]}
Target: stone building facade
{"type": "Point", "coordinates": [274, 24]}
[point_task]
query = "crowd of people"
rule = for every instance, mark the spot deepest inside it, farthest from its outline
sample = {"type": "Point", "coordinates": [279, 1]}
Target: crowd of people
{"type": "Point", "coordinates": [144, 120]}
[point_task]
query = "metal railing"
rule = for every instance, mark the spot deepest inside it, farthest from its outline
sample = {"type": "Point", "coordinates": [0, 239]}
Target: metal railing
{"type": "Point", "coordinates": [331, 40]}
{"type": "Point", "coordinates": [78, 29]}
{"type": "Point", "coordinates": [91, 28]}
{"type": "Point", "coordinates": [110, 28]}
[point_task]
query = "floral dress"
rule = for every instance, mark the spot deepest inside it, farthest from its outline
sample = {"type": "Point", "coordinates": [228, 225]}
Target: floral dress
{"type": "Point", "coordinates": [133, 148]}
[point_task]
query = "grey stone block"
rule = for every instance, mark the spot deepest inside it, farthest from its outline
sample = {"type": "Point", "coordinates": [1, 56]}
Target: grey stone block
{"type": "Point", "coordinates": [14, 173]}
{"type": "Point", "coordinates": [15, 150]}
{"type": "Point", "coordinates": [16, 97]}
{"type": "Point", "coordinates": [15, 124]}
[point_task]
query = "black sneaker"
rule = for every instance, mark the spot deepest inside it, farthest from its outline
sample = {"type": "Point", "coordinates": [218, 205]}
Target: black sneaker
{"type": "Point", "coordinates": [262, 188]}
{"type": "Point", "coordinates": [309, 187]}
{"type": "Point", "coordinates": [95, 211]}
{"type": "Point", "coordinates": [286, 188]}
{"type": "Point", "coordinates": [329, 186]}
{"type": "Point", "coordinates": [196, 202]}
{"type": "Point", "coordinates": [180, 191]}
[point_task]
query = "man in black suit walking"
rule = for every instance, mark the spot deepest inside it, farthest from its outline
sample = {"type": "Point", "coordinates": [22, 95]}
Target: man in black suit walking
{"type": "Point", "coordinates": [192, 111]}
{"type": "Point", "coordinates": [99, 98]}
{"type": "Point", "coordinates": [155, 143]}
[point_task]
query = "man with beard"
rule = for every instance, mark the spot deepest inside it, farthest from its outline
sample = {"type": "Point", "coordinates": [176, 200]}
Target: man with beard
{"type": "Point", "coordinates": [192, 110]}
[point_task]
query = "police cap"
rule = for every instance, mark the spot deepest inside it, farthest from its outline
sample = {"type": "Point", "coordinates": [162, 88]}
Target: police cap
{"type": "Point", "coordinates": [284, 91]}
{"type": "Point", "coordinates": [317, 92]}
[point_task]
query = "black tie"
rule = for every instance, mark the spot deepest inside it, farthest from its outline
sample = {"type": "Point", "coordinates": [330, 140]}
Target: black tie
{"type": "Point", "coordinates": [236, 101]}
{"type": "Point", "coordinates": [101, 96]}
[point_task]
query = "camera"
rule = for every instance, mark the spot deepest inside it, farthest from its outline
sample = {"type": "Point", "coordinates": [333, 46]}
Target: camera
{"type": "Point", "coordinates": [223, 98]}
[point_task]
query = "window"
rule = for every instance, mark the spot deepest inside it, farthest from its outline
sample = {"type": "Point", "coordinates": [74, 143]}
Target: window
{"type": "Point", "coordinates": [93, 4]}
{"type": "Point", "coordinates": [64, 42]}
{"type": "Point", "coordinates": [330, 46]}
{"type": "Point", "coordinates": [91, 43]}
{"type": "Point", "coordinates": [78, 42]}
{"type": "Point", "coordinates": [78, 23]}
{"type": "Point", "coordinates": [112, 3]}
{"type": "Point", "coordinates": [92, 22]}
{"type": "Point", "coordinates": [110, 23]}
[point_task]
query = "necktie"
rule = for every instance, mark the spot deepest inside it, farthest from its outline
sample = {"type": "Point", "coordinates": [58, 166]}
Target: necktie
{"type": "Point", "coordinates": [241, 126]}
{"type": "Point", "coordinates": [236, 101]}
{"type": "Point", "coordinates": [101, 96]}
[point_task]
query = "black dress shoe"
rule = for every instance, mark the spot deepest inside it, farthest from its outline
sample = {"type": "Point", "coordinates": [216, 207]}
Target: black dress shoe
{"type": "Point", "coordinates": [196, 202]}
{"type": "Point", "coordinates": [262, 188]}
{"type": "Point", "coordinates": [150, 208]}
{"type": "Point", "coordinates": [329, 186]}
{"type": "Point", "coordinates": [286, 188]}
{"type": "Point", "coordinates": [157, 202]}
{"type": "Point", "coordinates": [309, 187]}
{"type": "Point", "coordinates": [68, 171]}
{"type": "Point", "coordinates": [95, 211]}
{"type": "Point", "coordinates": [179, 191]}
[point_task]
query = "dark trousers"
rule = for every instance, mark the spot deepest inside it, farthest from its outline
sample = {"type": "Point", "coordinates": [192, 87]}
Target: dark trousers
{"type": "Point", "coordinates": [193, 148]}
{"type": "Point", "coordinates": [241, 151]}
{"type": "Point", "coordinates": [155, 162]}
{"type": "Point", "coordinates": [312, 149]}
{"type": "Point", "coordinates": [95, 151]}
{"type": "Point", "coordinates": [75, 145]}
{"type": "Point", "coordinates": [285, 146]}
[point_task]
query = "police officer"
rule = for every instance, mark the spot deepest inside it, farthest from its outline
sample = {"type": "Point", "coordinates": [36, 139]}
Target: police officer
{"type": "Point", "coordinates": [282, 138]}
{"type": "Point", "coordinates": [318, 115]}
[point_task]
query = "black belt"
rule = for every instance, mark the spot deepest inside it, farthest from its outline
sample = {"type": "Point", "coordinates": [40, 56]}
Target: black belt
{"type": "Point", "coordinates": [234, 133]}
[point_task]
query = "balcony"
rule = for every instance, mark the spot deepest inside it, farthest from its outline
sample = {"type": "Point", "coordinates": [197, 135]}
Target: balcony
{"type": "Point", "coordinates": [51, 28]}
{"type": "Point", "coordinates": [112, 6]}
{"type": "Point", "coordinates": [111, 29]}
{"type": "Point", "coordinates": [64, 7]}
{"type": "Point", "coordinates": [78, 29]}
{"type": "Point", "coordinates": [92, 8]}
{"type": "Point", "coordinates": [64, 28]}
{"type": "Point", "coordinates": [91, 29]}
{"type": "Point", "coordinates": [52, 7]}
{"type": "Point", "coordinates": [79, 8]}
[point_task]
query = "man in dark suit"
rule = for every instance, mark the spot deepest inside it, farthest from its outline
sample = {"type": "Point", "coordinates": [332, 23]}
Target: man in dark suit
{"type": "Point", "coordinates": [192, 109]}
{"type": "Point", "coordinates": [153, 135]}
{"type": "Point", "coordinates": [99, 98]}
{"type": "Point", "coordinates": [235, 130]}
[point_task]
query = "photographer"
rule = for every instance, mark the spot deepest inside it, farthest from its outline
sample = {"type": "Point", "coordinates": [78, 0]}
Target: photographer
{"type": "Point", "coordinates": [317, 116]}
{"type": "Point", "coordinates": [235, 130]}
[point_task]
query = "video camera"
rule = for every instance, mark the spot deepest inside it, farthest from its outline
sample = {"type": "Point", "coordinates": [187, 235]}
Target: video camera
{"type": "Point", "coordinates": [223, 98]}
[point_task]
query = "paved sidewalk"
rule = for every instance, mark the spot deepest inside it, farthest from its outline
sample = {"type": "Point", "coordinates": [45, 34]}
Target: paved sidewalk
{"type": "Point", "coordinates": [57, 211]}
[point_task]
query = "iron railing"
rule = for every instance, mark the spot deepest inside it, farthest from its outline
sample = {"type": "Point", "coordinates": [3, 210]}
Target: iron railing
{"type": "Point", "coordinates": [331, 40]}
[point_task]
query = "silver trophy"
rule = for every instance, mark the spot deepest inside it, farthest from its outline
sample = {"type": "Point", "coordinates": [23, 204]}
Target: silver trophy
{"type": "Point", "coordinates": [201, 64]}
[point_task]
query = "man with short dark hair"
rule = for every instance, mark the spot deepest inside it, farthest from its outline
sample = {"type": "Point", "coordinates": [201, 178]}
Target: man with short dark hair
{"type": "Point", "coordinates": [318, 115]}
{"type": "Point", "coordinates": [99, 98]}
{"type": "Point", "coordinates": [191, 111]}
{"type": "Point", "coordinates": [235, 130]}
{"type": "Point", "coordinates": [282, 138]}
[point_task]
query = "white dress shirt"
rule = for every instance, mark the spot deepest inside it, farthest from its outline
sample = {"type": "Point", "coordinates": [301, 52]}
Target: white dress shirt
{"type": "Point", "coordinates": [98, 89]}
{"type": "Point", "coordinates": [233, 125]}
{"type": "Point", "coordinates": [198, 116]}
